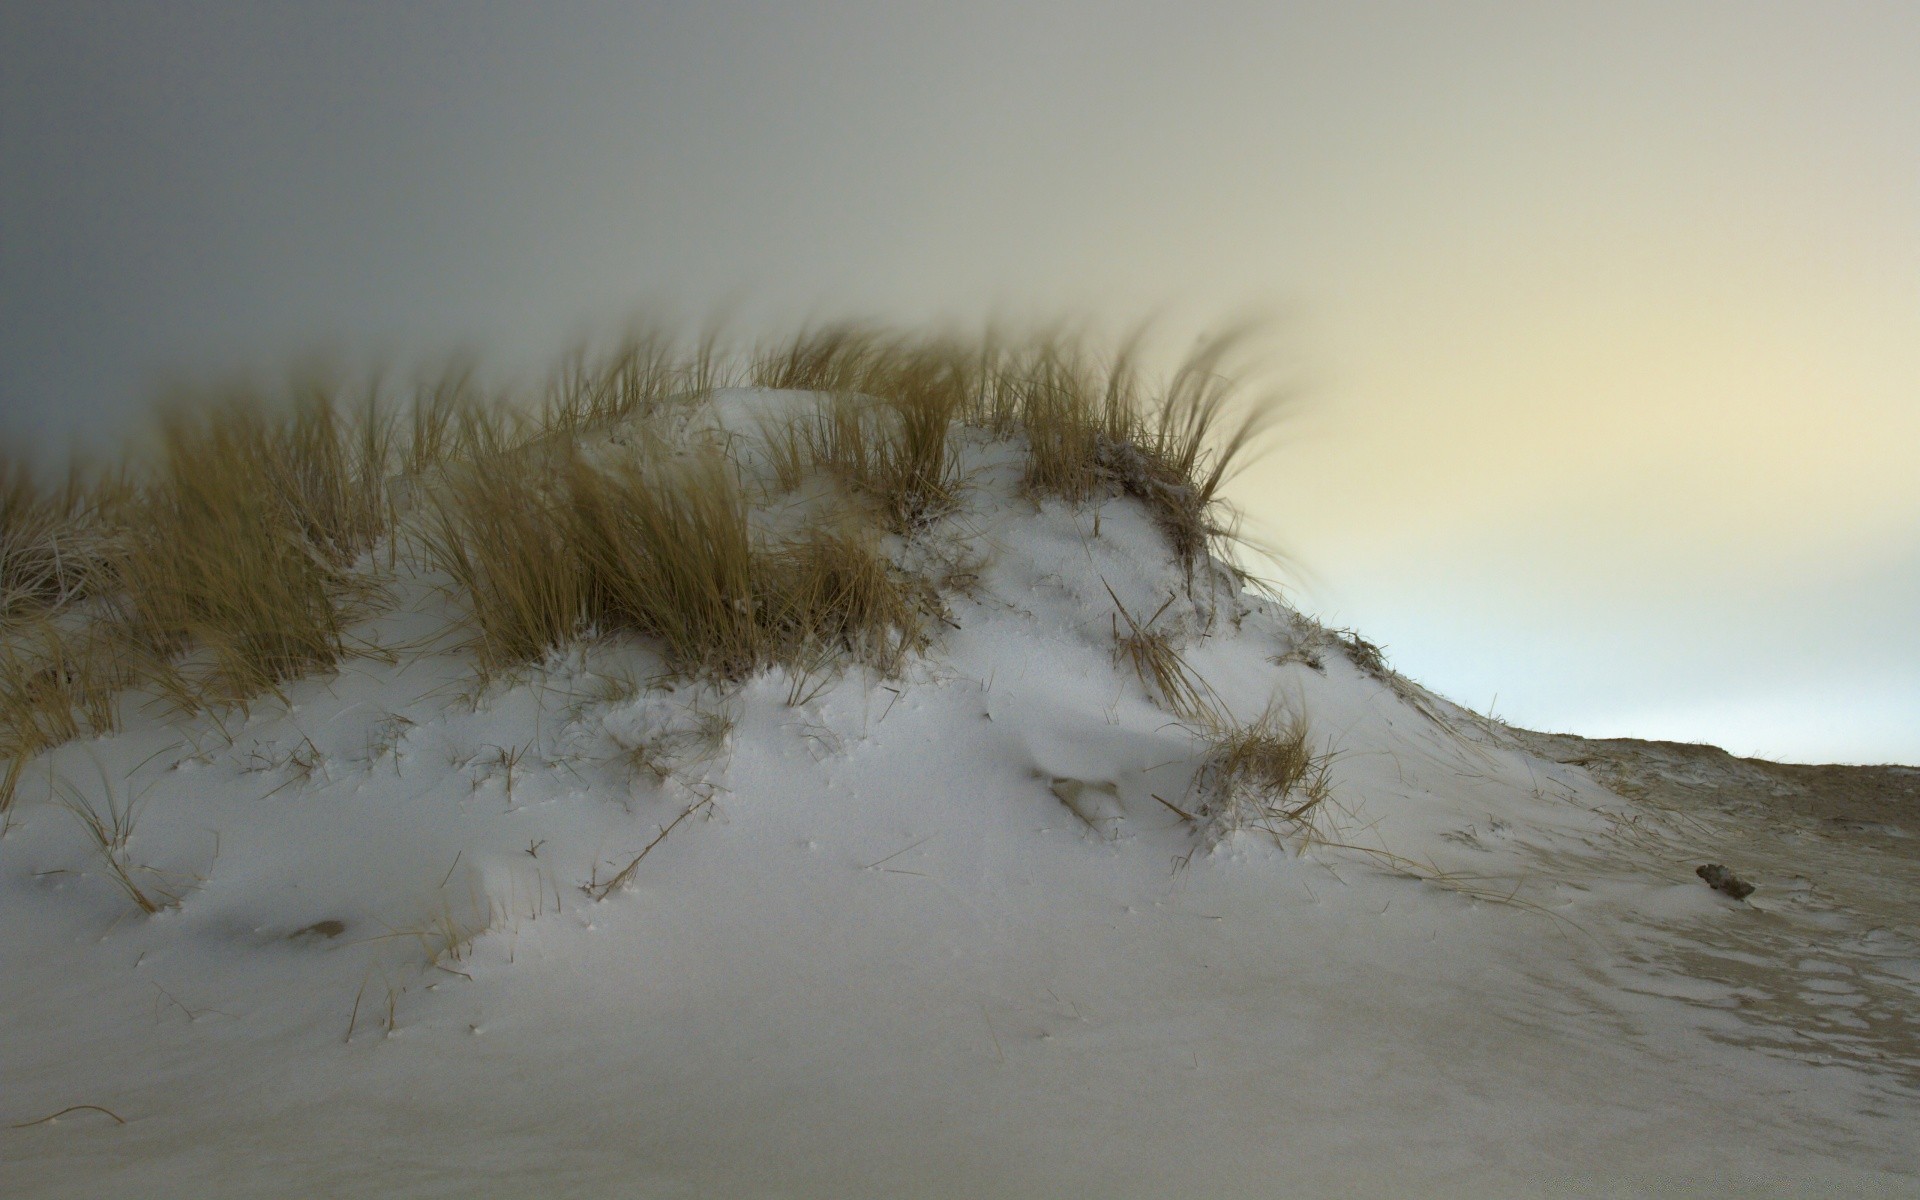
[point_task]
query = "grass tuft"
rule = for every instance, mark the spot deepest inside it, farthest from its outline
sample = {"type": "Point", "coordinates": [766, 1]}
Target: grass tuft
{"type": "Point", "coordinates": [111, 831]}
{"type": "Point", "coordinates": [663, 546]}
{"type": "Point", "coordinates": [1077, 413]}
{"type": "Point", "coordinates": [839, 592]}
{"type": "Point", "coordinates": [238, 568]}
{"type": "Point", "coordinates": [1095, 428]}
{"type": "Point", "coordinates": [885, 426]}
{"type": "Point", "coordinates": [1093, 425]}
{"type": "Point", "coordinates": [55, 683]}
{"type": "Point", "coordinates": [238, 555]}
{"type": "Point", "coordinates": [1262, 776]}
{"type": "Point", "coordinates": [504, 532]}
{"type": "Point", "coordinates": [233, 559]}
{"type": "Point", "coordinates": [1158, 663]}
{"type": "Point", "coordinates": [670, 554]}
{"type": "Point", "coordinates": [54, 541]}
{"type": "Point", "coordinates": [635, 380]}
{"type": "Point", "coordinates": [1366, 655]}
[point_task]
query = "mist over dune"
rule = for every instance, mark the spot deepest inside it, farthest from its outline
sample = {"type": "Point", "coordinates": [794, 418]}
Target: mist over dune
{"type": "Point", "coordinates": [1604, 319]}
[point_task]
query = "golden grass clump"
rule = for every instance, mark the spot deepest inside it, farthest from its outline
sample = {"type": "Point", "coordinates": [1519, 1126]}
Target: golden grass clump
{"type": "Point", "coordinates": [54, 541]}
{"type": "Point", "coordinates": [505, 534]}
{"type": "Point", "coordinates": [218, 567]}
{"type": "Point", "coordinates": [243, 538]}
{"type": "Point", "coordinates": [1263, 775]}
{"type": "Point", "coordinates": [838, 591]}
{"type": "Point", "coordinates": [230, 561]}
{"type": "Point", "coordinates": [330, 466]}
{"type": "Point", "coordinates": [669, 551]}
{"type": "Point", "coordinates": [1075, 412]}
{"type": "Point", "coordinates": [548, 544]}
{"type": "Point", "coordinates": [663, 546]}
{"type": "Point", "coordinates": [1158, 662]}
{"type": "Point", "coordinates": [895, 455]}
{"type": "Point", "coordinates": [59, 671]}
{"type": "Point", "coordinates": [32, 573]}
{"type": "Point", "coordinates": [885, 428]}
{"type": "Point", "coordinates": [675, 557]}
{"type": "Point", "coordinates": [1092, 424]}
{"type": "Point", "coordinates": [1096, 426]}
{"type": "Point", "coordinates": [56, 682]}
{"type": "Point", "coordinates": [643, 371]}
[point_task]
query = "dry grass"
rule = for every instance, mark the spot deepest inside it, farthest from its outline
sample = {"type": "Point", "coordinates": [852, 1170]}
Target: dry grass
{"type": "Point", "coordinates": [680, 748]}
{"type": "Point", "coordinates": [642, 373]}
{"type": "Point", "coordinates": [238, 559]}
{"type": "Point", "coordinates": [885, 427]}
{"type": "Point", "coordinates": [671, 554]}
{"type": "Point", "coordinates": [600, 889]}
{"type": "Point", "coordinates": [1158, 662]}
{"type": "Point", "coordinates": [54, 541]}
{"type": "Point", "coordinates": [839, 592]}
{"type": "Point", "coordinates": [1370, 659]}
{"type": "Point", "coordinates": [1093, 423]}
{"type": "Point", "coordinates": [434, 418]}
{"type": "Point", "coordinates": [55, 683]}
{"type": "Point", "coordinates": [893, 456]}
{"type": "Point", "coordinates": [1095, 427]}
{"type": "Point", "coordinates": [213, 569]}
{"type": "Point", "coordinates": [329, 461]}
{"type": "Point", "coordinates": [233, 558]}
{"type": "Point", "coordinates": [1264, 776]}
{"type": "Point", "coordinates": [504, 534]}
{"type": "Point", "coordinates": [111, 831]}
{"type": "Point", "coordinates": [59, 670]}
{"type": "Point", "coordinates": [663, 546]}
{"type": "Point", "coordinates": [1366, 655]}
{"type": "Point", "coordinates": [1076, 411]}
{"type": "Point", "coordinates": [445, 937]}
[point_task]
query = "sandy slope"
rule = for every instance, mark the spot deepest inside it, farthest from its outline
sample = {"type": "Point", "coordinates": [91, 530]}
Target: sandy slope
{"type": "Point", "coordinates": [883, 958]}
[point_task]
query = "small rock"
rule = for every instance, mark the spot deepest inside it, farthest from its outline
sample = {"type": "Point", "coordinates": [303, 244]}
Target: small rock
{"type": "Point", "coordinates": [328, 928]}
{"type": "Point", "coordinates": [1096, 802]}
{"type": "Point", "coordinates": [1722, 880]}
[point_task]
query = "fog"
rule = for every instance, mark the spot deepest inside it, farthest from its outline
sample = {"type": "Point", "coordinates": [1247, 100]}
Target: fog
{"type": "Point", "coordinates": [1602, 323]}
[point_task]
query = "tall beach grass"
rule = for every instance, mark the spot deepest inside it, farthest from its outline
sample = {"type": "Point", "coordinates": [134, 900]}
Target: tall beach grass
{"type": "Point", "coordinates": [234, 554]}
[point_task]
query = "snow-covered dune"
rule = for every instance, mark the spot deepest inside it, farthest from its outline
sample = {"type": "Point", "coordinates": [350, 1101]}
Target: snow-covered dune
{"type": "Point", "coordinates": [985, 928]}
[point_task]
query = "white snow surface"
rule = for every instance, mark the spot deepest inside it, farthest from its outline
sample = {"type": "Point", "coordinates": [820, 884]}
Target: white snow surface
{"type": "Point", "coordinates": [886, 958]}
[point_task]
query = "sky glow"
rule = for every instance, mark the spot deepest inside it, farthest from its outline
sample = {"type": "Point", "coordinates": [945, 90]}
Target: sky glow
{"type": "Point", "coordinates": [1604, 320]}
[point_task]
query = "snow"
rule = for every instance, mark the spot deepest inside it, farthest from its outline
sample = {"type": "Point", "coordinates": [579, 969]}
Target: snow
{"type": "Point", "coordinates": [932, 935]}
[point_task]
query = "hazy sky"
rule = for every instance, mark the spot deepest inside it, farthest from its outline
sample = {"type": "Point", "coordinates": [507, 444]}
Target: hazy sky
{"type": "Point", "coordinates": [1606, 317]}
